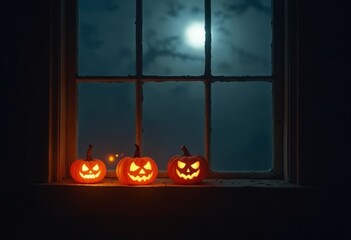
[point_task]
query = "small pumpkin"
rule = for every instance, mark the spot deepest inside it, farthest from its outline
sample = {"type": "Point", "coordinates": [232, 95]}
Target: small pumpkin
{"type": "Point", "coordinates": [187, 168]}
{"type": "Point", "coordinates": [88, 170]}
{"type": "Point", "coordinates": [136, 170]}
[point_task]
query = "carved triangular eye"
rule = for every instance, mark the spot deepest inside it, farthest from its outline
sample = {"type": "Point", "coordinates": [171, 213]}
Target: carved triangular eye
{"type": "Point", "coordinates": [181, 165]}
{"type": "Point", "coordinates": [133, 167]}
{"type": "Point", "coordinates": [96, 168]}
{"type": "Point", "coordinates": [147, 166]}
{"type": "Point", "coordinates": [85, 168]}
{"type": "Point", "coordinates": [195, 165]}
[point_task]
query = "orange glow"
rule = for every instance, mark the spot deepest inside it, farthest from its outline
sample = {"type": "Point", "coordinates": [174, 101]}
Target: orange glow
{"type": "Point", "coordinates": [111, 158]}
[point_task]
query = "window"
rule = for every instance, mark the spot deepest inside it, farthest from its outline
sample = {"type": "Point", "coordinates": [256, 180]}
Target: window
{"type": "Point", "coordinates": [201, 73]}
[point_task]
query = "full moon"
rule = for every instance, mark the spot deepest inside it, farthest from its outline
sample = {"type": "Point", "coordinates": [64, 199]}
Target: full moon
{"type": "Point", "coordinates": [195, 35]}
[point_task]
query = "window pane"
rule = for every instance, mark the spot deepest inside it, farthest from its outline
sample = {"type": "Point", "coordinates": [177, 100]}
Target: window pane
{"type": "Point", "coordinates": [173, 116]}
{"type": "Point", "coordinates": [106, 120]}
{"type": "Point", "coordinates": [106, 44]}
{"type": "Point", "coordinates": [241, 37]}
{"type": "Point", "coordinates": [241, 126]}
{"type": "Point", "coordinates": [173, 37]}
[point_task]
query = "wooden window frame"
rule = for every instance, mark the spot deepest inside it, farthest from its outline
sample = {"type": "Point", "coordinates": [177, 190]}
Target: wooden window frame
{"type": "Point", "coordinates": [64, 81]}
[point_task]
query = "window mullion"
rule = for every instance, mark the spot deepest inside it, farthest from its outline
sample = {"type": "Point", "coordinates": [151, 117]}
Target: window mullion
{"type": "Point", "coordinates": [207, 38]}
{"type": "Point", "coordinates": [208, 80]}
{"type": "Point", "coordinates": [138, 83]}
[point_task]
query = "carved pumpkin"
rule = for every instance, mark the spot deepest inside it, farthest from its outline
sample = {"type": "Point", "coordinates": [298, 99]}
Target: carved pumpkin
{"type": "Point", "coordinates": [88, 170]}
{"type": "Point", "coordinates": [136, 170]}
{"type": "Point", "coordinates": [187, 168]}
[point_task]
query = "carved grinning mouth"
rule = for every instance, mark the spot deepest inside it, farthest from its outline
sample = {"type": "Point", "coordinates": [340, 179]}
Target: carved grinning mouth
{"type": "Point", "coordinates": [140, 179]}
{"type": "Point", "coordinates": [90, 175]}
{"type": "Point", "coordinates": [188, 176]}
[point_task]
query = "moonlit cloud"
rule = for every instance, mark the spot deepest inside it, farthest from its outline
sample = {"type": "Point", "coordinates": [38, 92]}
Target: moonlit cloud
{"type": "Point", "coordinates": [166, 48]}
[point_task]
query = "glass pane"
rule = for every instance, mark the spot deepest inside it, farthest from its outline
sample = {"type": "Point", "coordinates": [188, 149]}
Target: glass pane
{"type": "Point", "coordinates": [241, 37]}
{"type": "Point", "coordinates": [106, 38]}
{"type": "Point", "coordinates": [241, 126]}
{"type": "Point", "coordinates": [173, 37]}
{"type": "Point", "coordinates": [106, 113]}
{"type": "Point", "coordinates": [173, 116]}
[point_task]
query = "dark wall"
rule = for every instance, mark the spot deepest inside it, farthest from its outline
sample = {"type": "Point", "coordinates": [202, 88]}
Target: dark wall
{"type": "Point", "coordinates": [25, 85]}
{"type": "Point", "coordinates": [324, 100]}
{"type": "Point", "coordinates": [324, 90]}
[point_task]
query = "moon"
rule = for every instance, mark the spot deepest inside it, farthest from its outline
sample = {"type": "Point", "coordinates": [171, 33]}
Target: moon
{"type": "Point", "coordinates": [195, 35]}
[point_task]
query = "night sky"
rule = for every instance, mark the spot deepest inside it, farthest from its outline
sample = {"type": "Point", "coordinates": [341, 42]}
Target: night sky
{"type": "Point", "coordinates": [174, 112]}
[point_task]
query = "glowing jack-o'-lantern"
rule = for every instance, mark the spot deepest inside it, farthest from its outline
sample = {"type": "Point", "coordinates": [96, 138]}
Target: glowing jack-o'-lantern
{"type": "Point", "coordinates": [187, 168]}
{"type": "Point", "coordinates": [88, 170]}
{"type": "Point", "coordinates": [136, 170]}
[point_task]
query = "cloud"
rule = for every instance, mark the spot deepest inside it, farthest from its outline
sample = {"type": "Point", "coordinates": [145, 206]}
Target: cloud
{"type": "Point", "coordinates": [167, 47]}
{"type": "Point", "coordinates": [174, 8]}
{"type": "Point", "coordinates": [242, 7]}
{"type": "Point", "coordinates": [196, 10]}
{"type": "Point", "coordinates": [88, 37]}
{"type": "Point", "coordinates": [229, 9]}
{"type": "Point", "coordinates": [244, 57]}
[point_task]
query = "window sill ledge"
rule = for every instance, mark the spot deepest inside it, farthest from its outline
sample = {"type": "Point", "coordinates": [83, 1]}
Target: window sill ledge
{"type": "Point", "coordinates": [211, 183]}
{"type": "Point", "coordinates": [224, 198]}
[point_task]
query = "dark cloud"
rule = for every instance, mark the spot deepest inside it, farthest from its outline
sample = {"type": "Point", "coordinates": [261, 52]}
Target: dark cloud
{"type": "Point", "coordinates": [196, 10]}
{"type": "Point", "coordinates": [243, 6]}
{"type": "Point", "coordinates": [174, 8]}
{"type": "Point", "coordinates": [125, 53]}
{"type": "Point", "coordinates": [89, 36]}
{"type": "Point", "coordinates": [224, 31]}
{"type": "Point", "coordinates": [230, 9]}
{"type": "Point", "coordinates": [169, 43]}
{"type": "Point", "coordinates": [244, 57]}
{"type": "Point", "coordinates": [248, 58]}
{"type": "Point", "coordinates": [178, 90]}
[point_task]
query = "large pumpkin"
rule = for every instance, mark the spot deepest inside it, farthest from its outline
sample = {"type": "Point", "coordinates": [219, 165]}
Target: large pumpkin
{"type": "Point", "coordinates": [136, 170]}
{"type": "Point", "coordinates": [88, 170]}
{"type": "Point", "coordinates": [187, 168]}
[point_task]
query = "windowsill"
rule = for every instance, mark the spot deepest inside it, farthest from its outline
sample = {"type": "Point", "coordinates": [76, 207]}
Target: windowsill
{"type": "Point", "coordinates": [166, 182]}
{"type": "Point", "coordinates": [220, 198]}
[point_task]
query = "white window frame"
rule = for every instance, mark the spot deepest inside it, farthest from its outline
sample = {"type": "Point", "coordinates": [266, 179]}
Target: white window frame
{"type": "Point", "coordinates": [64, 82]}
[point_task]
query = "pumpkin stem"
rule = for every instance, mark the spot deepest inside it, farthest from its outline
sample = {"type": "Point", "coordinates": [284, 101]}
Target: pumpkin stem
{"type": "Point", "coordinates": [89, 153]}
{"type": "Point", "coordinates": [185, 151]}
{"type": "Point", "coordinates": [137, 151]}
